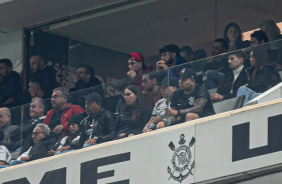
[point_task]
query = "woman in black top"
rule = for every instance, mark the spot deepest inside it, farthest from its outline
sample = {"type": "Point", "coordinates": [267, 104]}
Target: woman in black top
{"type": "Point", "coordinates": [262, 76]}
{"type": "Point", "coordinates": [135, 113]}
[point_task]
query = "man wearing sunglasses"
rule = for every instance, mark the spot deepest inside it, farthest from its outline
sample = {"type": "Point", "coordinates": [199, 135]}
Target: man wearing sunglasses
{"type": "Point", "coordinates": [39, 149]}
{"type": "Point", "coordinates": [84, 77]}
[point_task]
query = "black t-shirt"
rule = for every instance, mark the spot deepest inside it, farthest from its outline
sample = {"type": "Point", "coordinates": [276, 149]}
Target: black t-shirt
{"type": "Point", "coordinates": [55, 119]}
{"type": "Point", "coordinates": [180, 100]}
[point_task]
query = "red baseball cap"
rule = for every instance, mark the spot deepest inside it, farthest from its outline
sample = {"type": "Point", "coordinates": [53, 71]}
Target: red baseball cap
{"type": "Point", "coordinates": [136, 56]}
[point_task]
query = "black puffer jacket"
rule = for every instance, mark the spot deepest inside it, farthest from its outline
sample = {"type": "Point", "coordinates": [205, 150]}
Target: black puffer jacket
{"type": "Point", "coordinates": [104, 127]}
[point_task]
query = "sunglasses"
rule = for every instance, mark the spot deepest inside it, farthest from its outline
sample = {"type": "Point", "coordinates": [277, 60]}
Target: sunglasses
{"type": "Point", "coordinates": [36, 133]}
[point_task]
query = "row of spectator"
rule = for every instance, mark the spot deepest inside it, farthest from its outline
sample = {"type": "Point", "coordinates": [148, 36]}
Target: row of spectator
{"type": "Point", "coordinates": [157, 106]}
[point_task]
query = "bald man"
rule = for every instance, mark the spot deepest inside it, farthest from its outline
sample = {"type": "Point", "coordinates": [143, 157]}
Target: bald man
{"type": "Point", "coordinates": [36, 63]}
{"type": "Point", "coordinates": [7, 127]}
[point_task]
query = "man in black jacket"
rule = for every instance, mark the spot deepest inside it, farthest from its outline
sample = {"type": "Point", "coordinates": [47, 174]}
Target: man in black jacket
{"type": "Point", "coordinates": [9, 83]}
{"type": "Point", "coordinates": [215, 71]}
{"type": "Point", "coordinates": [234, 79]}
{"type": "Point", "coordinates": [40, 147]}
{"type": "Point", "coordinates": [85, 78]}
{"type": "Point", "coordinates": [99, 126]}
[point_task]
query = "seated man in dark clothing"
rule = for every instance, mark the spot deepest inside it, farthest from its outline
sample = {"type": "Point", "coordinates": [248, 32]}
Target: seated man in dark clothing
{"type": "Point", "coordinates": [171, 54]}
{"type": "Point", "coordinates": [234, 79]}
{"type": "Point", "coordinates": [48, 73]}
{"type": "Point", "coordinates": [214, 71]}
{"type": "Point", "coordinates": [58, 118]}
{"type": "Point", "coordinates": [36, 112]}
{"type": "Point", "coordinates": [187, 53]}
{"type": "Point", "coordinates": [8, 128]}
{"type": "Point", "coordinates": [9, 84]}
{"type": "Point", "coordinates": [40, 147]}
{"type": "Point", "coordinates": [36, 88]}
{"type": "Point", "coordinates": [191, 101]}
{"type": "Point", "coordinates": [85, 78]}
{"type": "Point", "coordinates": [99, 126]}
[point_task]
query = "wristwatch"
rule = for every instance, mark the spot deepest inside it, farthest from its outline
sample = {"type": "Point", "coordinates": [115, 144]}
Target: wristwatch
{"type": "Point", "coordinates": [96, 138]}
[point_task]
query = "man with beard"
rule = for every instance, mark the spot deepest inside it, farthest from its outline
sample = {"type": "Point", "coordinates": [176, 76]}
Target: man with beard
{"type": "Point", "coordinates": [57, 119]}
{"type": "Point", "coordinates": [85, 78]}
{"type": "Point", "coordinates": [215, 71]}
{"type": "Point", "coordinates": [152, 92]}
{"type": "Point", "coordinates": [9, 83]}
{"type": "Point", "coordinates": [171, 55]}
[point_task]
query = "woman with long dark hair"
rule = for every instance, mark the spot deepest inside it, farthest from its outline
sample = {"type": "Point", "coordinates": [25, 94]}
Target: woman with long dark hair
{"type": "Point", "coordinates": [233, 34]}
{"type": "Point", "coordinates": [262, 76]}
{"type": "Point", "coordinates": [135, 113]}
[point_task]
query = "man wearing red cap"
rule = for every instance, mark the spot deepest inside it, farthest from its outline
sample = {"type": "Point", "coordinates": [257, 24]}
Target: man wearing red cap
{"type": "Point", "coordinates": [137, 67]}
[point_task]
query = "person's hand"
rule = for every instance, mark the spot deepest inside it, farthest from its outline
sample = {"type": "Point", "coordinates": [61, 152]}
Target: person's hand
{"type": "Point", "coordinates": [156, 119]}
{"type": "Point", "coordinates": [245, 85]}
{"type": "Point", "coordinates": [145, 129]}
{"type": "Point", "coordinates": [52, 152]}
{"type": "Point", "coordinates": [64, 148]}
{"type": "Point", "coordinates": [278, 67]}
{"type": "Point", "coordinates": [26, 158]}
{"type": "Point", "coordinates": [10, 100]}
{"type": "Point", "coordinates": [131, 74]}
{"type": "Point", "coordinates": [121, 135]}
{"type": "Point", "coordinates": [172, 112]}
{"type": "Point", "coordinates": [215, 97]}
{"type": "Point", "coordinates": [90, 141]}
{"type": "Point", "coordinates": [58, 129]}
{"type": "Point", "coordinates": [161, 65]}
{"type": "Point", "coordinates": [130, 135]}
{"type": "Point", "coordinates": [149, 130]}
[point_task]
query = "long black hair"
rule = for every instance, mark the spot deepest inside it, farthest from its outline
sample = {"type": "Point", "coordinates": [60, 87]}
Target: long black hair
{"type": "Point", "coordinates": [139, 104]}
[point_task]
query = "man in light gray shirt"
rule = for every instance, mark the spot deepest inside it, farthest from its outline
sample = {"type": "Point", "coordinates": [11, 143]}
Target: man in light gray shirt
{"type": "Point", "coordinates": [159, 114]}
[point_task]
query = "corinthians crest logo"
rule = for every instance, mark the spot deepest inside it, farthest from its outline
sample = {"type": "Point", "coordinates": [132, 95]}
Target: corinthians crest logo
{"type": "Point", "coordinates": [181, 160]}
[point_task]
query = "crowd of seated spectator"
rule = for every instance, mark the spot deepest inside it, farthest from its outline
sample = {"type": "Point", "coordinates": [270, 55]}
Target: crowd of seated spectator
{"type": "Point", "coordinates": [149, 100]}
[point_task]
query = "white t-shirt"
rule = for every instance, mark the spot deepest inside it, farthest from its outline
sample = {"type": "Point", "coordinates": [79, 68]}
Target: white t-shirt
{"type": "Point", "coordinates": [5, 155]}
{"type": "Point", "coordinates": [24, 154]}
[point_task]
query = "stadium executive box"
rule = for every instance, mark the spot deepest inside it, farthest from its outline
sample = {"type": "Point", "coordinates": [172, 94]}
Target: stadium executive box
{"type": "Point", "coordinates": [221, 148]}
